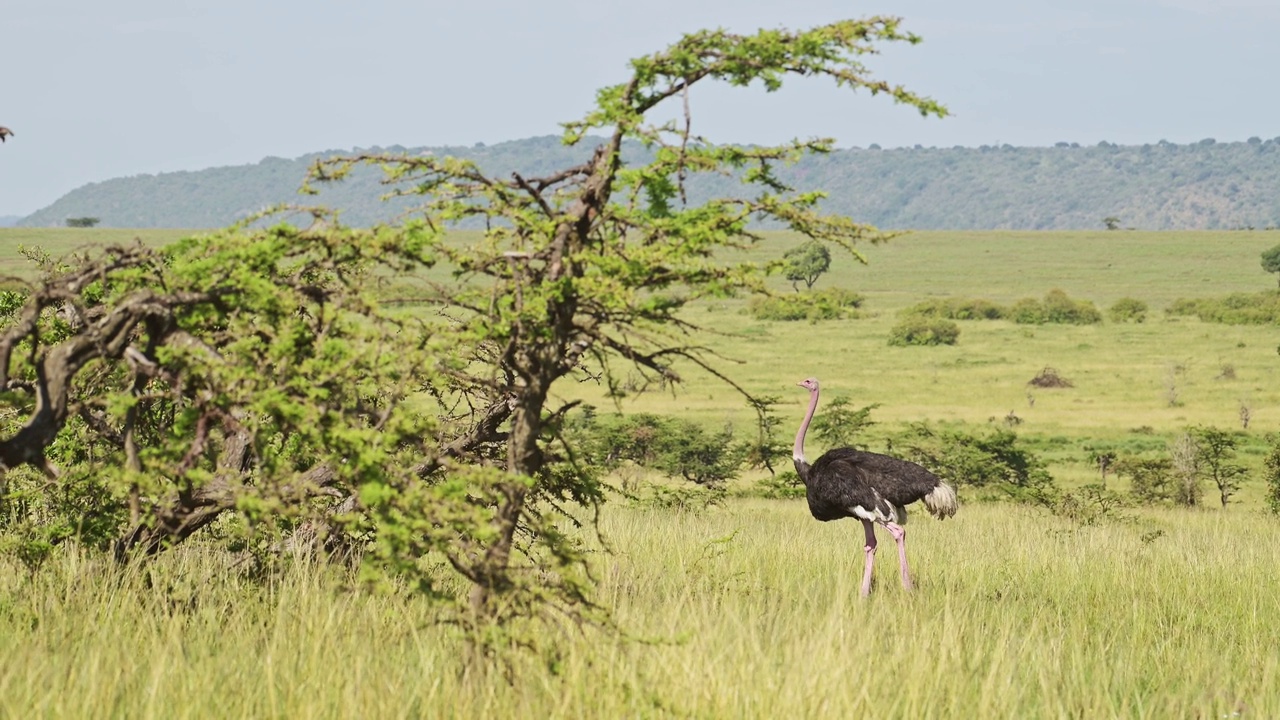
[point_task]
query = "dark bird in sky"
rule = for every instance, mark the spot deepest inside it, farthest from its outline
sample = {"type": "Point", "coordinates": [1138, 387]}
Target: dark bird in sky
{"type": "Point", "coordinates": [874, 488]}
{"type": "Point", "coordinates": [4, 133]}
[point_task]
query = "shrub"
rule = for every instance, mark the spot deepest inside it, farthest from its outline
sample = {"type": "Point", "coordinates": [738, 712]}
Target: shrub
{"type": "Point", "coordinates": [827, 304]}
{"type": "Point", "coordinates": [1087, 505]}
{"type": "Point", "coordinates": [1151, 480]}
{"type": "Point", "coordinates": [838, 425]}
{"type": "Point", "coordinates": [1027, 311]}
{"type": "Point", "coordinates": [1235, 309]}
{"type": "Point", "coordinates": [674, 446]}
{"type": "Point", "coordinates": [1128, 309]}
{"type": "Point", "coordinates": [1056, 308]}
{"type": "Point", "coordinates": [1060, 309]}
{"type": "Point", "coordinates": [783, 486]}
{"type": "Point", "coordinates": [918, 330]}
{"type": "Point", "coordinates": [995, 460]}
{"type": "Point", "coordinates": [957, 309]}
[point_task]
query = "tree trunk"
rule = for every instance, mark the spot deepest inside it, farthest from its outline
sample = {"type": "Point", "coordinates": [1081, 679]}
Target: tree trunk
{"type": "Point", "coordinates": [524, 459]}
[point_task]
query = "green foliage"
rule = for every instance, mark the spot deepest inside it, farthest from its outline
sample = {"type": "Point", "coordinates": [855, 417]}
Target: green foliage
{"type": "Point", "coordinates": [1216, 452]}
{"type": "Point", "coordinates": [1271, 260]}
{"type": "Point", "coordinates": [82, 222]}
{"type": "Point", "coordinates": [996, 460]}
{"type": "Point", "coordinates": [957, 309]}
{"type": "Point", "coordinates": [1087, 505]}
{"type": "Point", "coordinates": [251, 374]}
{"type": "Point", "coordinates": [1111, 222]}
{"type": "Point", "coordinates": [805, 263]}
{"type": "Point", "coordinates": [1127, 309]}
{"type": "Point", "coordinates": [919, 330]}
{"type": "Point", "coordinates": [1151, 480]}
{"type": "Point", "coordinates": [674, 446]}
{"type": "Point", "coordinates": [814, 305]}
{"type": "Point", "coordinates": [838, 425]}
{"type": "Point", "coordinates": [701, 457]}
{"type": "Point", "coordinates": [1056, 308]}
{"type": "Point", "coordinates": [682, 499]}
{"type": "Point", "coordinates": [785, 485]}
{"type": "Point", "coordinates": [1271, 476]}
{"type": "Point", "coordinates": [1262, 308]}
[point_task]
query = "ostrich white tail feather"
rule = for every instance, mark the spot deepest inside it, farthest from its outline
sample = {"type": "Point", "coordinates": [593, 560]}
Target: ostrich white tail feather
{"type": "Point", "coordinates": [941, 501]}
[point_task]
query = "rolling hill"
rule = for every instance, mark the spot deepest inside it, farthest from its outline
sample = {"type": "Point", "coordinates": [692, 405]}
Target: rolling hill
{"type": "Point", "coordinates": [1162, 186]}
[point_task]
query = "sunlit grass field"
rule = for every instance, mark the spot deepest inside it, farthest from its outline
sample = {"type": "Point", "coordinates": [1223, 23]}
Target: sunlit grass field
{"type": "Point", "coordinates": [749, 610]}
{"type": "Point", "coordinates": [1135, 385]}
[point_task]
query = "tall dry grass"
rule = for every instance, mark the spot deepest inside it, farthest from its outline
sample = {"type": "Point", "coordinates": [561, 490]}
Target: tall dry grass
{"type": "Point", "coordinates": [748, 610]}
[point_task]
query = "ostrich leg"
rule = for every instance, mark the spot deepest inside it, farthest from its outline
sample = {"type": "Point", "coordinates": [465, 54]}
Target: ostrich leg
{"type": "Point", "coordinates": [899, 534]}
{"type": "Point", "coordinates": [870, 550]}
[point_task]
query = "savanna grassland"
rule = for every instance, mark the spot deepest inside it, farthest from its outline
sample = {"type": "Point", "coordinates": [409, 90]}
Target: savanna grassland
{"type": "Point", "coordinates": [750, 608]}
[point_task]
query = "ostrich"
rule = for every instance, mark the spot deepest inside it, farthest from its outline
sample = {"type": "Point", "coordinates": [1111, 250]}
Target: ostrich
{"type": "Point", "coordinates": [871, 487]}
{"type": "Point", "coordinates": [4, 133]}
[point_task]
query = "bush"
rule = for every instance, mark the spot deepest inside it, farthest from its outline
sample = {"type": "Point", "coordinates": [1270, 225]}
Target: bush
{"type": "Point", "coordinates": [1151, 480]}
{"type": "Point", "coordinates": [1128, 309]}
{"type": "Point", "coordinates": [1236, 309]}
{"type": "Point", "coordinates": [783, 486]}
{"type": "Point", "coordinates": [996, 460]}
{"type": "Point", "coordinates": [957, 309]}
{"type": "Point", "coordinates": [1056, 308]}
{"type": "Point", "coordinates": [828, 304]}
{"type": "Point", "coordinates": [919, 330]}
{"type": "Point", "coordinates": [1027, 311]}
{"type": "Point", "coordinates": [674, 446]}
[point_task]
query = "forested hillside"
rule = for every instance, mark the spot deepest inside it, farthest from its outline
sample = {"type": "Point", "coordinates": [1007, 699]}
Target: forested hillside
{"type": "Point", "coordinates": [1205, 185]}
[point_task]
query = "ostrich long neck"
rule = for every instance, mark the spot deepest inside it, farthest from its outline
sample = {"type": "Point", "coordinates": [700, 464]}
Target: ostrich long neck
{"type": "Point", "coordinates": [798, 453]}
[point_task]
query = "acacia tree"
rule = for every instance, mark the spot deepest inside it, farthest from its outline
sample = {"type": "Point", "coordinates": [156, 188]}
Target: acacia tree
{"type": "Point", "coordinates": [256, 376]}
{"type": "Point", "coordinates": [585, 268]}
{"type": "Point", "coordinates": [806, 263]}
{"type": "Point", "coordinates": [1271, 261]}
{"type": "Point", "coordinates": [156, 390]}
{"type": "Point", "coordinates": [1216, 450]}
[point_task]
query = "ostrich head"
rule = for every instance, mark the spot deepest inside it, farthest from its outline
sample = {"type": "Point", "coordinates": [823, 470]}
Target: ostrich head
{"type": "Point", "coordinates": [810, 384]}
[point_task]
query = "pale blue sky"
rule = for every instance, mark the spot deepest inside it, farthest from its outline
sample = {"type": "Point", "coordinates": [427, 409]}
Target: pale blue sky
{"type": "Point", "coordinates": [96, 90]}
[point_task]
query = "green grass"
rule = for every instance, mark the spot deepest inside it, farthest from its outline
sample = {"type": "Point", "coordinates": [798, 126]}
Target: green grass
{"type": "Point", "coordinates": [1125, 375]}
{"type": "Point", "coordinates": [59, 242]}
{"type": "Point", "coordinates": [1160, 376]}
{"type": "Point", "coordinates": [750, 610]}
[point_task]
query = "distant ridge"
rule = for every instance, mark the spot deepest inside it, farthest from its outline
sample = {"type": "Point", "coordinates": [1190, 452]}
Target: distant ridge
{"type": "Point", "coordinates": [1162, 186]}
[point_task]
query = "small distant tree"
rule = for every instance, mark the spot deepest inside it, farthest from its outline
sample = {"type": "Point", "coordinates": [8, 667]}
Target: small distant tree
{"type": "Point", "coordinates": [1151, 480]}
{"type": "Point", "coordinates": [1271, 261]}
{"type": "Point", "coordinates": [82, 222]}
{"type": "Point", "coordinates": [1217, 452]}
{"type": "Point", "coordinates": [1128, 309]}
{"type": "Point", "coordinates": [806, 262]}
{"type": "Point", "coordinates": [1112, 222]}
